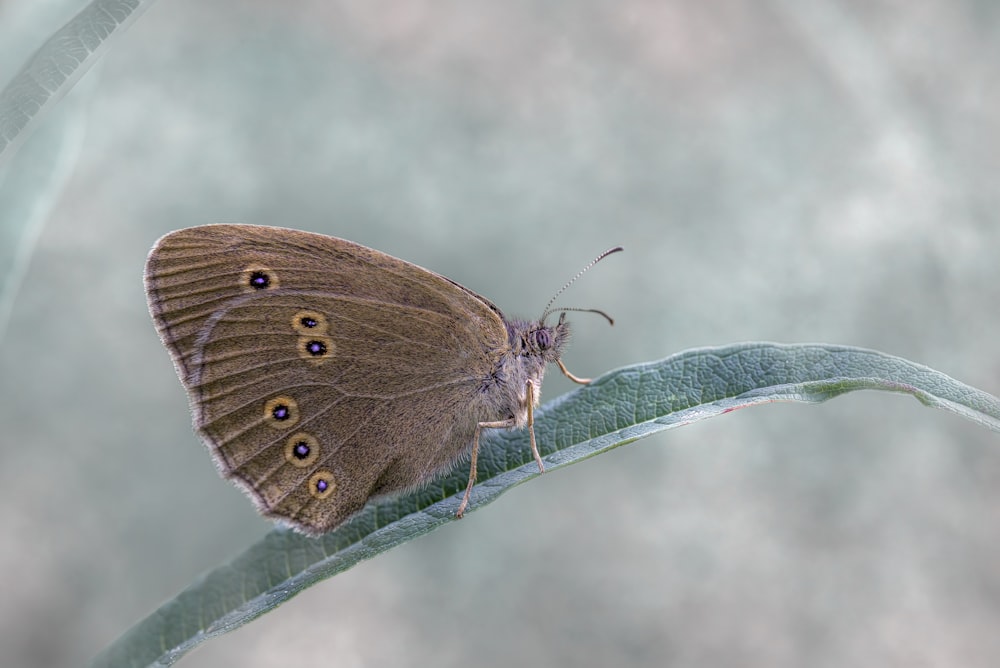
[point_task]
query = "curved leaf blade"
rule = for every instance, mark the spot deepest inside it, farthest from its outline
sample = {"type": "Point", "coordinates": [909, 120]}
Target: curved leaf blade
{"type": "Point", "coordinates": [58, 64]}
{"type": "Point", "coordinates": [616, 409]}
{"type": "Point", "coordinates": [29, 191]}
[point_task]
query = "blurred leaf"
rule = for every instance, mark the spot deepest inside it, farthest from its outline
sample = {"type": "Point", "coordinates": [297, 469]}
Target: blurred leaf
{"type": "Point", "coordinates": [30, 185]}
{"type": "Point", "coordinates": [29, 190]}
{"type": "Point", "coordinates": [60, 62]}
{"type": "Point", "coordinates": [616, 409]}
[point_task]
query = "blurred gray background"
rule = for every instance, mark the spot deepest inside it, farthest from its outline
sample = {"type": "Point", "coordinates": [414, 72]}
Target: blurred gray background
{"type": "Point", "coordinates": [790, 171]}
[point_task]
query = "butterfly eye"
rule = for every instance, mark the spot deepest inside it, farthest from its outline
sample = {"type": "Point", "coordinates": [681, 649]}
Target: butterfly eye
{"type": "Point", "coordinates": [542, 338]}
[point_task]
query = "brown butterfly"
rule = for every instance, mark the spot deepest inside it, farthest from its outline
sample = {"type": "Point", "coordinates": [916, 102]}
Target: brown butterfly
{"type": "Point", "coordinates": [323, 373]}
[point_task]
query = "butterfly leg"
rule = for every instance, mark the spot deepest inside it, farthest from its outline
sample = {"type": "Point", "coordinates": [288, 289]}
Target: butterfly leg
{"type": "Point", "coordinates": [531, 427]}
{"type": "Point", "coordinates": [499, 424]}
{"type": "Point", "coordinates": [502, 424]}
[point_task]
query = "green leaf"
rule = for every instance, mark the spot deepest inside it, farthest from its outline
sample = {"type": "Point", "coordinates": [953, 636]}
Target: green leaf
{"type": "Point", "coordinates": [618, 408]}
{"type": "Point", "coordinates": [58, 64]}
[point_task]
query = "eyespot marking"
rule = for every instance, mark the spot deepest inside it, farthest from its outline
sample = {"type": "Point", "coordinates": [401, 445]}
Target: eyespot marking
{"type": "Point", "coordinates": [316, 349]}
{"type": "Point", "coordinates": [309, 322]}
{"type": "Point", "coordinates": [258, 277]}
{"type": "Point", "coordinates": [322, 484]}
{"type": "Point", "coordinates": [281, 412]}
{"type": "Point", "coordinates": [302, 450]}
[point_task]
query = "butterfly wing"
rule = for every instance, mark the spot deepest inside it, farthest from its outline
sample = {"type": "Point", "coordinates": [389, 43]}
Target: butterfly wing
{"type": "Point", "coordinates": [320, 372]}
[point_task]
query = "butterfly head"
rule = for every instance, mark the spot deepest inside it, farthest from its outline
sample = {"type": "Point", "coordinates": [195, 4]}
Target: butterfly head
{"type": "Point", "coordinates": [545, 341]}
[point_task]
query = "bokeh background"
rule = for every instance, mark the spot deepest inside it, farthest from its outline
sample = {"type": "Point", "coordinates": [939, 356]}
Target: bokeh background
{"type": "Point", "coordinates": [778, 170]}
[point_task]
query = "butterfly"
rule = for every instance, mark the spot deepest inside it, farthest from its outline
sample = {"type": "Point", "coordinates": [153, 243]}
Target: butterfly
{"type": "Point", "coordinates": [322, 373]}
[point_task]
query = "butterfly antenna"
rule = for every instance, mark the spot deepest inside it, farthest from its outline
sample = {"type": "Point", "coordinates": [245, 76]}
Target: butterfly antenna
{"type": "Point", "coordinates": [611, 321]}
{"type": "Point", "coordinates": [548, 307]}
